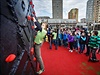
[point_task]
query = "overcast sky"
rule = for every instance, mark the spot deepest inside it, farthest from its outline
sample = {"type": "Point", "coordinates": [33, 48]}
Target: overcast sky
{"type": "Point", "coordinates": [44, 7]}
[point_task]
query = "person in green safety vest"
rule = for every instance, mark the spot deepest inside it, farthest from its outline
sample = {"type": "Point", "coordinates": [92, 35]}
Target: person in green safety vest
{"type": "Point", "coordinates": [55, 39]}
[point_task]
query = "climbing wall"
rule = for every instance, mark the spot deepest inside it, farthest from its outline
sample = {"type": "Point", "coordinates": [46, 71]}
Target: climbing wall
{"type": "Point", "coordinates": [16, 37]}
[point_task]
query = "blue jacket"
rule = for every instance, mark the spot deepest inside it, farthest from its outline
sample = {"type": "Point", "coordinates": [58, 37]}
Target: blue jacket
{"type": "Point", "coordinates": [64, 36]}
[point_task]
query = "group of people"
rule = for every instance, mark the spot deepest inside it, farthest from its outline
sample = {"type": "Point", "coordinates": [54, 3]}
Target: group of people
{"type": "Point", "coordinates": [76, 39]}
{"type": "Point", "coordinates": [72, 39]}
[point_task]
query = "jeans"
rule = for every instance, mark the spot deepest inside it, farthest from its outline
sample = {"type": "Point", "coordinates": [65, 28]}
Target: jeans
{"type": "Point", "coordinates": [65, 43]}
{"type": "Point", "coordinates": [76, 45]}
{"type": "Point", "coordinates": [59, 41]}
{"type": "Point", "coordinates": [99, 49]}
{"type": "Point", "coordinates": [50, 43]}
{"type": "Point", "coordinates": [82, 47]}
{"type": "Point", "coordinates": [88, 49]}
{"type": "Point", "coordinates": [37, 51]}
{"type": "Point", "coordinates": [93, 53]}
{"type": "Point", "coordinates": [55, 42]}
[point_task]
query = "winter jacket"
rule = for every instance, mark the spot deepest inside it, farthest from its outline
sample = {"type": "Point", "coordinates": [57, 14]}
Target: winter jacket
{"type": "Point", "coordinates": [61, 36]}
{"type": "Point", "coordinates": [70, 38]}
{"type": "Point", "coordinates": [82, 40]}
{"type": "Point", "coordinates": [94, 41]}
{"type": "Point", "coordinates": [98, 41]}
{"type": "Point", "coordinates": [64, 36]}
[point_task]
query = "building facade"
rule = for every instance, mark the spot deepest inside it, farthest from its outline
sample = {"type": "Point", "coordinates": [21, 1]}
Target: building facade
{"type": "Point", "coordinates": [89, 11]}
{"type": "Point", "coordinates": [96, 11]}
{"type": "Point", "coordinates": [43, 18]}
{"type": "Point", "coordinates": [83, 20]}
{"type": "Point", "coordinates": [57, 9]}
{"type": "Point", "coordinates": [73, 14]}
{"type": "Point", "coordinates": [93, 11]}
{"type": "Point", "coordinates": [79, 24]}
{"type": "Point", "coordinates": [63, 23]}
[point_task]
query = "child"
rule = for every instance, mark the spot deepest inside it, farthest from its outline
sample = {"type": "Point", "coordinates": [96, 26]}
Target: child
{"type": "Point", "coordinates": [71, 41]}
{"type": "Point", "coordinates": [82, 42]}
{"type": "Point", "coordinates": [75, 41]}
{"type": "Point", "coordinates": [94, 44]}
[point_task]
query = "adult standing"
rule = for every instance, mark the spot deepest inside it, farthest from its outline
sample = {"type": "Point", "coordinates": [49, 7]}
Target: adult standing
{"type": "Point", "coordinates": [87, 44]}
{"type": "Point", "coordinates": [55, 39]}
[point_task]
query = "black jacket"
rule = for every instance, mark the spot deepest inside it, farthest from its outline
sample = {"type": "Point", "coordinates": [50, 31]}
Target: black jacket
{"type": "Point", "coordinates": [82, 40]}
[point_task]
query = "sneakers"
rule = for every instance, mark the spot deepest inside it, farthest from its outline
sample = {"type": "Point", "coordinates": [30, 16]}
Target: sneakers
{"type": "Point", "coordinates": [93, 60]}
{"type": "Point", "coordinates": [76, 50]}
{"type": "Point", "coordinates": [40, 71]}
{"type": "Point", "coordinates": [70, 50]}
